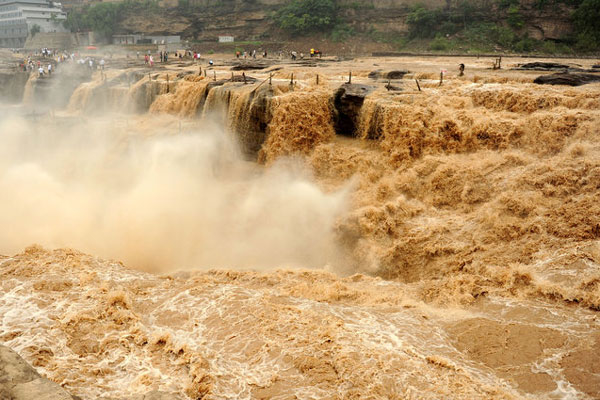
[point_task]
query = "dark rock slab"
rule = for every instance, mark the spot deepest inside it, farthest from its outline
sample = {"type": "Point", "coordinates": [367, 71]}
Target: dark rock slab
{"type": "Point", "coordinates": [576, 79]}
{"type": "Point", "coordinates": [347, 102]}
{"type": "Point", "coordinates": [542, 66]}
{"type": "Point", "coordinates": [394, 74]}
{"type": "Point", "coordinates": [240, 78]}
{"type": "Point", "coordinates": [393, 88]}
{"type": "Point", "coordinates": [249, 66]}
{"type": "Point", "coordinates": [13, 85]}
{"type": "Point", "coordinates": [251, 122]}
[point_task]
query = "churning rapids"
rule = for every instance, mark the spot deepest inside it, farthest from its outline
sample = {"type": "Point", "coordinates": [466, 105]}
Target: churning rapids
{"type": "Point", "coordinates": [217, 239]}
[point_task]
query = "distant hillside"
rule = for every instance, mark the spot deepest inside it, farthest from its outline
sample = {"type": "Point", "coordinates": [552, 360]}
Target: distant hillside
{"type": "Point", "coordinates": [549, 26]}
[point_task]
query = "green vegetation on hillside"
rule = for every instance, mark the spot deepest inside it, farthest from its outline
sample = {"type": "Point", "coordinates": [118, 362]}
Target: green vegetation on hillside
{"type": "Point", "coordinates": [478, 29]}
{"type": "Point", "coordinates": [301, 16]}
{"type": "Point", "coordinates": [461, 26]}
{"type": "Point", "coordinates": [587, 25]}
{"type": "Point", "coordinates": [104, 18]}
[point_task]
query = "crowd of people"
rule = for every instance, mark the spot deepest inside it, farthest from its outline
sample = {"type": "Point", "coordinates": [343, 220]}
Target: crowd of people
{"type": "Point", "coordinates": [46, 61]}
{"type": "Point", "coordinates": [281, 55]}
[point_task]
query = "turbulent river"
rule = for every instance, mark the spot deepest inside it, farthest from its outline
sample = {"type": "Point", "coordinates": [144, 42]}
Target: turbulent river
{"type": "Point", "coordinates": [215, 239]}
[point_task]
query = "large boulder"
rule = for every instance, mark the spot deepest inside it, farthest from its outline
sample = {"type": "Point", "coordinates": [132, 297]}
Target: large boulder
{"type": "Point", "coordinates": [249, 66]}
{"type": "Point", "coordinates": [19, 381]}
{"type": "Point", "coordinates": [40, 389]}
{"type": "Point", "coordinates": [251, 117]}
{"type": "Point", "coordinates": [394, 74]}
{"type": "Point", "coordinates": [347, 102]}
{"type": "Point", "coordinates": [549, 66]}
{"type": "Point", "coordinates": [577, 79]}
{"type": "Point", "coordinates": [542, 66]}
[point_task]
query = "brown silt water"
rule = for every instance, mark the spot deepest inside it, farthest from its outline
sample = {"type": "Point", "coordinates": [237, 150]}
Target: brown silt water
{"type": "Point", "coordinates": [281, 239]}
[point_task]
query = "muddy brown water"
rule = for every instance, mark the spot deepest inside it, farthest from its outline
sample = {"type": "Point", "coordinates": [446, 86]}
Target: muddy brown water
{"type": "Point", "coordinates": [450, 250]}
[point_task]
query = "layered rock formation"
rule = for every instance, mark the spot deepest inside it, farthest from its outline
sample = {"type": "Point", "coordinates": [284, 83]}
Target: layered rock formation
{"type": "Point", "coordinates": [205, 20]}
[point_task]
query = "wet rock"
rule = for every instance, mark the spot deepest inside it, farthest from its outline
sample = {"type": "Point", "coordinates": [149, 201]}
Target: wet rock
{"type": "Point", "coordinates": [240, 78]}
{"type": "Point", "coordinates": [55, 90]}
{"type": "Point", "coordinates": [13, 85]}
{"type": "Point", "coordinates": [542, 66]}
{"type": "Point", "coordinates": [252, 120]}
{"type": "Point", "coordinates": [248, 66]}
{"type": "Point", "coordinates": [394, 74]}
{"type": "Point", "coordinates": [577, 79]}
{"type": "Point", "coordinates": [184, 73]}
{"type": "Point", "coordinates": [347, 102]}
{"type": "Point", "coordinates": [19, 381]}
{"type": "Point", "coordinates": [596, 66]}
{"type": "Point", "coordinates": [40, 389]}
{"type": "Point", "coordinates": [393, 88]}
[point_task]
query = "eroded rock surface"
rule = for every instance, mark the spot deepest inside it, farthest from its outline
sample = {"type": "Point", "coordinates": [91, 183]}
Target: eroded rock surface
{"type": "Point", "coordinates": [348, 101]}
{"type": "Point", "coordinates": [567, 79]}
{"type": "Point", "coordinates": [19, 381]}
{"type": "Point", "coordinates": [394, 74]}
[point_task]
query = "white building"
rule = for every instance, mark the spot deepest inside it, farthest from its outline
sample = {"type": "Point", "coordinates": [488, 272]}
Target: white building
{"type": "Point", "coordinates": [138, 38]}
{"type": "Point", "coordinates": [18, 17]}
{"type": "Point", "coordinates": [226, 39]}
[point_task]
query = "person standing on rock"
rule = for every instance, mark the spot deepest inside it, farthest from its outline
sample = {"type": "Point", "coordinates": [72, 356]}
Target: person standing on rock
{"type": "Point", "coordinates": [151, 60]}
{"type": "Point", "coordinates": [41, 72]}
{"type": "Point", "coordinates": [461, 69]}
{"type": "Point", "coordinates": [102, 62]}
{"type": "Point", "coordinates": [49, 69]}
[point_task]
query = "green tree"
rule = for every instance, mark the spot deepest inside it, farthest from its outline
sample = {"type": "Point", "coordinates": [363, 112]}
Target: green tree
{"type": "Point", "coordinates": [586, 20]}
{"type": "Point", "coordinates": [35, 29]}
{"type": "Point", "coordinates": [104, 18]}
{"type": "Point", "coordinates": [75, 21]}
{"type": "Point", "coordinates": [466, 11]}
{"type": "Point", "coordinates": [515, 19]}
{"type": "Point", "coordinates": [303, 16]}
{"type": "Point", "coordinates": [423, 22]}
